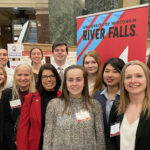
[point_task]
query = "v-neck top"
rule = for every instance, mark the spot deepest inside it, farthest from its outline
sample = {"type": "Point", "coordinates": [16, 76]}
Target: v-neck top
{"type": "Point", "coordinates": [128, 134]}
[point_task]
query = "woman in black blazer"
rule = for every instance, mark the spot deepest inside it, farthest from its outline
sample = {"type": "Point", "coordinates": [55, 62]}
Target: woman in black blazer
{"type": "Point", "coordinates": [134, 108]}
{"type": "Point", "coordinates": [109, 96]}
{"type": "Point", "coordinates": [13, 100]}
{"type": "Point", "coordinates": [3, 79]}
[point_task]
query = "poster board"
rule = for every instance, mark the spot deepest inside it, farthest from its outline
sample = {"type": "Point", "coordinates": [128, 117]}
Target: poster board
{"type": "Point", "coordinates": [118, 33]}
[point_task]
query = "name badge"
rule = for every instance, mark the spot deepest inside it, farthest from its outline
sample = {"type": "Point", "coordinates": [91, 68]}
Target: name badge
{"type": "Point", "coordinates": [115, 130]}
{"type": "Point", "coordinates": [15, 103]}
{"type": "Point", "coordinates": [83, 116]}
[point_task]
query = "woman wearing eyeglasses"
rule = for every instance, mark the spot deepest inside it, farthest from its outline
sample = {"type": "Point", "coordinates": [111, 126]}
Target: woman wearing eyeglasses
{"type": "Point", "coordinates": [32, 119]}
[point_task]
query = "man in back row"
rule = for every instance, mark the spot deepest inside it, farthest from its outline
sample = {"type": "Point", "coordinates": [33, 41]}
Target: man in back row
{"type": "Point", "coordinates": [60, 53]}
{"type": "Point", "coordinates": [9, 71]}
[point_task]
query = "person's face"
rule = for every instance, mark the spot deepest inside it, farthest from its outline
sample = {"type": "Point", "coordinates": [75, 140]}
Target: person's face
{"type": "Point", "coordinates": [75, 82]}
{"type": "Point", "coordinates": [36, 56]}
{"type": "Point", "coordinates": [111, 76]}
{"type": "Point", "coordinates": [23, 78]}
{"type": "Point", "coordinates": [3, 57]}
{"type": "Point", "coordinates": [48, 80]}
{"type": "Point", "coordinates": [90, 65]}
{"type": "Point", "coordinates": [60, 54]}
{"type": "Point", "coordinates": [2, 76]}
{"type": "Point", "coordinates": [135, 80]}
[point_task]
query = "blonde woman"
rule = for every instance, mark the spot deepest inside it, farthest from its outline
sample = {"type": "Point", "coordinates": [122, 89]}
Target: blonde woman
{"type": "Point", "coordinates": [23, 83]}
{"type": "Point", "coordinates": [134, 108]}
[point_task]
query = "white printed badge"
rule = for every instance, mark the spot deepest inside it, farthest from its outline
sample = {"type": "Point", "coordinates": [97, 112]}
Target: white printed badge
{"type": "Point", "coordinates": [83, 116]}
{"type": "Point", "coordinates": [15, 103]}
{"type": "Point", "coordinates": [115, 130]}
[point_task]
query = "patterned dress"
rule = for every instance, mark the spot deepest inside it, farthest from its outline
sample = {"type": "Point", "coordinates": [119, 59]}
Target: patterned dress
{"type": "Point", "coordinates": [65, 132]}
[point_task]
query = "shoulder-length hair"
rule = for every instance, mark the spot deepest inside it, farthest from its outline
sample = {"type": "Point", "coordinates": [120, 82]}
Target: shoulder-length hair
{"type": "Point", "coordinates": [50, 67]}
{"type": "Point", "coordinates": [16, 87]}
{"type": "Point", "coordinates": [3, 84]}
{"type": "Point", "coordinates": [124, 95]}
{"type": "Point", "coordinates": [85, 93]}
{"type": "Point", "coordinates": [116, 63]}
{"type": "Point", "coordinates": [98, 81]}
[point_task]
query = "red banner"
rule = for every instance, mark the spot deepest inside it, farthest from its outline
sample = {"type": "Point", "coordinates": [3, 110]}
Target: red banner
{"type": "Point", "coordinates": [120, 33]}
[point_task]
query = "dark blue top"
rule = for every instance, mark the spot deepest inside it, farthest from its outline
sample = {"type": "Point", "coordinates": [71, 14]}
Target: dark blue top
{"type": "Point", "coordinates": [100, 96]}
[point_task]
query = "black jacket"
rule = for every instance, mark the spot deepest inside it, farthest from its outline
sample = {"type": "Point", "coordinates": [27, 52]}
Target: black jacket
{"type": "Point", "coordinates": [5, 126]}
{"type": "Point", "coordinates": [142, 141]}
{"type": "Point", "coordinates": [9, 119]}
{"type": "Point", "coordinates": [1, 126]}
{"type": "Point", "coordinates": [112, 118]}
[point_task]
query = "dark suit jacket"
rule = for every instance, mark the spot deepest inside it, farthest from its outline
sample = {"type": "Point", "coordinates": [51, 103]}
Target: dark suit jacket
{"type": "Point", "coordinates": [9, 119]}
{"type": "Point", "coordinates": [1, 126]}
{"type": "Point", "coordinates": [142, 141]}
{"type": "Point", "coordinates": [112, 118]}
{"type": "Point", "coordinates": [29, 129]}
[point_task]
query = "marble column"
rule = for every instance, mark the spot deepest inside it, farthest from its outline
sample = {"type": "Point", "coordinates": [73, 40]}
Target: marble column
{"type": "Point", "coordinates": [94, 6]}
{"type": "Point", "coordinates": [62, 20]}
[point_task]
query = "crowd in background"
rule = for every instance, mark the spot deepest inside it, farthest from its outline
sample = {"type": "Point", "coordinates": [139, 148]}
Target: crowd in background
{"type": "Point", "coordinates": [70, 107]}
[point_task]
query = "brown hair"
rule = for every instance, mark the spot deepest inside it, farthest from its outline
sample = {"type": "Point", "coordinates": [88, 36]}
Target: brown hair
{"type": "Point", "coordinates": [98, 83]}
{"type": "Point", "coordinates": [85, 92]}
{"type": "Point", "coordinates": [38, 49]}
{"type": "Point", "coordinates": [124, 96]}
{"type": "Point", "coordinates": [60, 43]}
{"type": "Point", "coordinates": [39, 85]}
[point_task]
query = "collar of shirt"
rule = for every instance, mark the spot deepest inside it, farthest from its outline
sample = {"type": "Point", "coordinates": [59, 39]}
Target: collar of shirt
{"type": "Point", "coordinates": [63, 66]}
{"type": "Point", "coordinates": [105, 93]}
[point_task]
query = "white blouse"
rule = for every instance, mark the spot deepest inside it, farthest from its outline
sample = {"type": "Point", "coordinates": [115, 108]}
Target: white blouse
{"type": "Point", "coordinates": [128, 134]}
{"type": "Point", "coordinates": [91, 87]}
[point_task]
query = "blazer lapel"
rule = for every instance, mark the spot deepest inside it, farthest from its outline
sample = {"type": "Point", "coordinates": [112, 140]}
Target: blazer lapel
{"type": "Point", "coordinates": [140, 127]}
{"type": "Point", "coordinates": [119, 119]}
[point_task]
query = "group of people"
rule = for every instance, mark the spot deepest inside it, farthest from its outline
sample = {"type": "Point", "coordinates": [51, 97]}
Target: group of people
{"type": "Point", "coordinates": [61, 107]}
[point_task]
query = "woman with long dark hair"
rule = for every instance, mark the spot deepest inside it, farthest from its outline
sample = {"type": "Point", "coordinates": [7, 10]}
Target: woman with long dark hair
{"type": "Point", "coordinates": [110, 95]}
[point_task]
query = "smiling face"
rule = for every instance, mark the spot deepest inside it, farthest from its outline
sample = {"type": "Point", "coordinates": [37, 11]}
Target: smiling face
{"type": "Point", "coordinates": [23, 78]}
{"type": "Point", "coordinates": [48, 80]}
{"type": "Point", "coordinates": [60, 54]}
{"type": "Point", "coordinates": [111, 76]}
{"type": "Point", "coordinates": [3, 57]}
{"type": "Point", "coordinates": [75, 82]}
{"type": "Point", "coordinates": [36, 56]}
{"type": "Point", "coordinates": [135, 80]}
{"type": "Point", "coordinates": [90, 65]}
